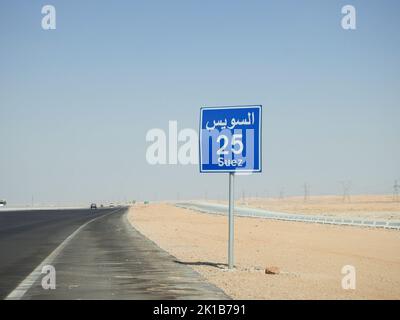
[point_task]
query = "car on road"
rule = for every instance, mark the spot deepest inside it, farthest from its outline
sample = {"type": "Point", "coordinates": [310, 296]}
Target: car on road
{"type": "Point", "coordinates": [93, 206]}
{"type": "Point", "coordinates": [3, 203]}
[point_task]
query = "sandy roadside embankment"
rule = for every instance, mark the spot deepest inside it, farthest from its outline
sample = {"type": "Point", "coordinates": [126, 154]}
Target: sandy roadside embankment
{"type": "Point", "coordinates": [310, 256]}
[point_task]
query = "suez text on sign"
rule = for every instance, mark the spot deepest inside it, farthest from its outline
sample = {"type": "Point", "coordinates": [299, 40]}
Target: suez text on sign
{"type": "Point", "coordinates": [230, 139]}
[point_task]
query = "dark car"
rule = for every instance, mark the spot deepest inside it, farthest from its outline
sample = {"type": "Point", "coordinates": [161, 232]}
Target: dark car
{"type": "Point", "coordinates": [93, 206]}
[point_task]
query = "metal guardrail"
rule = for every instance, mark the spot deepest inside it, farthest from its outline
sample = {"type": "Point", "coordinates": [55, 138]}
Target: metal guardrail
{"type": "Point", "coordinates": [258, 213]}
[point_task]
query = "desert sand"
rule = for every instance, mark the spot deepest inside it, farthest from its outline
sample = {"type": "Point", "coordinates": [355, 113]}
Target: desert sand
{"type": "Point", "coordinates": [310, 256]}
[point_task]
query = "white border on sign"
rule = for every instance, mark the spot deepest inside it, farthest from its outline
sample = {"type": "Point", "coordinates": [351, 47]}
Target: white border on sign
{"type": "Point", "coordinates": [259, 106]}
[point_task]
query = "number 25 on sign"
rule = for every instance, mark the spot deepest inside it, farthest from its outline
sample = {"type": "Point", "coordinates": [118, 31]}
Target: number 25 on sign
{"type": "Point", "coordinates": [230, 139]}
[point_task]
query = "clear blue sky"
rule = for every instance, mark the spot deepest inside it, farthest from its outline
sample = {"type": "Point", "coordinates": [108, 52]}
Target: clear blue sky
{"type": "Point", "coordinates": [76, 102]}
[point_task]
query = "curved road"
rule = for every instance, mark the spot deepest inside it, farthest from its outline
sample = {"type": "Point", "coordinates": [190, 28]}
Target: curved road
{"type": "Point", "coordinates": [106, 258]}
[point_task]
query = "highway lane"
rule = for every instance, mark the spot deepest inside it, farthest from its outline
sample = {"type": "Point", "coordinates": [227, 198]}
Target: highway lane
{"type": "Point", "coordinates": [28, 237]}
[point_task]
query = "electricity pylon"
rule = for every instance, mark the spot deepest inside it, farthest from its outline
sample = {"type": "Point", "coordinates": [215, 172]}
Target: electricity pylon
{"type": "Point", "coordinates": [306, 192]}
{"type": "Point", "coordinates": [281, 194]}
{"type": "Point", "coordinates": [346, 190]}
{"type": "Point", "coordinates": [396, 189]}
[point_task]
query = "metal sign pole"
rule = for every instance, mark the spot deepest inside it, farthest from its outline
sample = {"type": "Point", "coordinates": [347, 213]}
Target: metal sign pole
{"type": "Point", "coordinates": [221, 129]}
{"type": "Point", "coordinates": [231, 226]}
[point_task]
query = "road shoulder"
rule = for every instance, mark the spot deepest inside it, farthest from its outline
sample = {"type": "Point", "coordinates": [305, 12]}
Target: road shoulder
{"type": "Point", "coordinates": [310, 257]}
{"type": "Point", "coordinates": [109, 259]}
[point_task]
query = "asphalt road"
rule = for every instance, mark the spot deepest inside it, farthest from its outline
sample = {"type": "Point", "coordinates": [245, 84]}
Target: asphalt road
{"type": "Point", "coordinates": [105, 259]}
{"type": "Point", "coordinates": [28, 237]}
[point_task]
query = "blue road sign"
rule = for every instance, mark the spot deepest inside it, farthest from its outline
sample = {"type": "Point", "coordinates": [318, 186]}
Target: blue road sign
{"type": "Point", "coordinates": [230, 139]}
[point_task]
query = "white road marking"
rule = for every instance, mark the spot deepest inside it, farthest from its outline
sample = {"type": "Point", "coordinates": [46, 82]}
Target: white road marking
{"type": "Point", "coordinates": [30, 280]}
